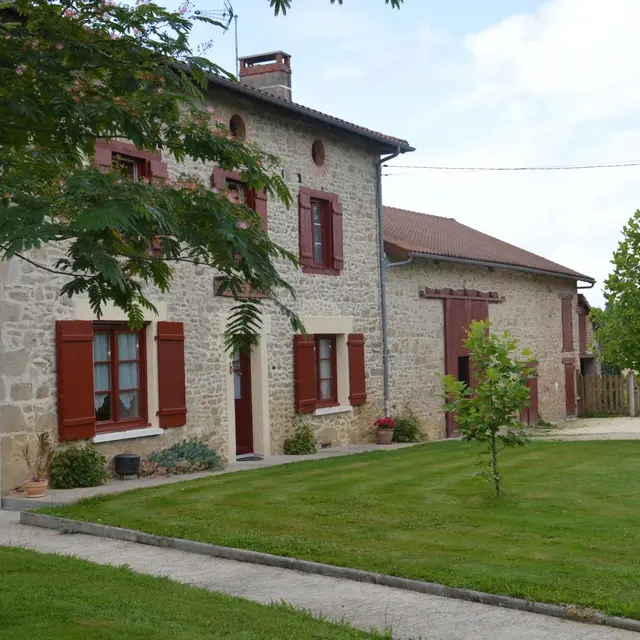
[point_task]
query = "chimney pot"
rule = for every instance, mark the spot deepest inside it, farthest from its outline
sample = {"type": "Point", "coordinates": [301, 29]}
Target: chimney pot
{"type": "Point", "coordinates": [268, 72]}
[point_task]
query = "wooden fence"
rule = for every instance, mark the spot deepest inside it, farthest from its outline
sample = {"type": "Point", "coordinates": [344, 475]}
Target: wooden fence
{"type": "Point", "coordinates": [605, 395]}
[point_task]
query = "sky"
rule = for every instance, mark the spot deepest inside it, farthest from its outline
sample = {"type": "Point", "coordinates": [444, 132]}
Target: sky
{"type": "Point", "coordinates": [468, 83]}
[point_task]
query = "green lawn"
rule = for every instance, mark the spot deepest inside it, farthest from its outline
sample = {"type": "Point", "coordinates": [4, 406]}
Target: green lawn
{"type": "Point", "coordinates": [568, 531]}
{"type": "Point", "coordinates": [48, 596]}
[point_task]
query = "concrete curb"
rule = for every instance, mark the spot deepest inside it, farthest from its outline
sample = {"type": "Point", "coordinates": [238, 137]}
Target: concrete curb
{"type": "Point", "coordinates": [579, 614]}
{"type": "Point", "coordinates": [18, 504]}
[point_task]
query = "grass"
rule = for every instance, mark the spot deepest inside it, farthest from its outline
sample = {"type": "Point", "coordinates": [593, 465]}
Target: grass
{"type": "Point", "coordinates": [48, 596]}
{"type": "Point", "coordinates": [568, 531]}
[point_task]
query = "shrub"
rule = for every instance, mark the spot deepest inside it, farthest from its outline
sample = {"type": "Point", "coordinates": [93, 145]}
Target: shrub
{"type": "Point", "coordinates": [303, 440]}
{"type": "Point", "coordinates": [76, 467]}
{"type": "Point", "coordinates": [188, 456]}
{"type": "Point", "coordinates": [408, 426]}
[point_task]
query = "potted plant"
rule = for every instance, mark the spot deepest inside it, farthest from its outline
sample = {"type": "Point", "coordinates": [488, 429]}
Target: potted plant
{"type": "Point", "coordinates": [384, 430]}
{"type": "Point", "coordinates": [39, 465]}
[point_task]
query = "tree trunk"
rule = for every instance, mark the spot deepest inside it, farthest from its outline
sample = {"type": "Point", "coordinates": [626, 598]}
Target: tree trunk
{"type": "Point", "coordinates": [494, 460]}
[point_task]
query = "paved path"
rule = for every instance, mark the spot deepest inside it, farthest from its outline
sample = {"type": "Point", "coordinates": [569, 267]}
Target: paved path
{"type": "Point", "coordinates": [409, 615]}
{"type": "Point", "coordinates": [595, 429]}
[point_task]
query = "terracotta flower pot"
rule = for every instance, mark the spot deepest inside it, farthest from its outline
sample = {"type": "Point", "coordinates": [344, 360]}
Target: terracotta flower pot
{"type": "Point", "coordinates": [385, 436]}
{"type": "Point", "coordinates": [35, 488]}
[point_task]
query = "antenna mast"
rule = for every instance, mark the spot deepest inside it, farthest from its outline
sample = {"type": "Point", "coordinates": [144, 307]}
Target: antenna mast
{"type": "Point", "coordinates": [225, 17]}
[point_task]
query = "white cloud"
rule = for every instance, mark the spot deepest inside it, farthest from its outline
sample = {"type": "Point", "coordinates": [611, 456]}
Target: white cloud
{"type": "Point", "coordinates": [569, 49]}
{"type": "Point", "coordinates": [559, 86]}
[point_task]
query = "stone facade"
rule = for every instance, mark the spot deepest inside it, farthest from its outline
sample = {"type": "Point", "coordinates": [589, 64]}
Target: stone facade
{"type": "Point", "coordinates": [531, 311]}
{"type": "Point", "coordinates": [30, 305]}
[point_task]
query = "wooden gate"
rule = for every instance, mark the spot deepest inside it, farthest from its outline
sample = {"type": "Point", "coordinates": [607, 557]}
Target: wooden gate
{"type": "Point", "coordinates": [603, 395]}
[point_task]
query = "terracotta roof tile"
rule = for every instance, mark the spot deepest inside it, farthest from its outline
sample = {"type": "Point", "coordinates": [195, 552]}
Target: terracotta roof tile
{"type": "Point", "coordinates": [413, 232]}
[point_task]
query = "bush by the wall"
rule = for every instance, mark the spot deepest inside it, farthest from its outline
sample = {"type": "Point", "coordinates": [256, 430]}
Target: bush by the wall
{"type": "Point", "coordinates": [303, 441]}
{"type": "Point", "coordinates": [75, 467]}
{"type": "Point", "coordinates": [408, 426]}
{"type": "Point", "coordinates": [188, 456]}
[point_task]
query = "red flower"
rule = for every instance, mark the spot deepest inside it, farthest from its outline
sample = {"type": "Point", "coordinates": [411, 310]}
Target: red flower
{"type": "Point", "coordinates": [385, 423]}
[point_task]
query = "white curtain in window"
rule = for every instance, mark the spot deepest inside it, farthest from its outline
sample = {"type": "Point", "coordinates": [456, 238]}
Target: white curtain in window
{"type": "Point", "coordinates": [101, 346]}
{"type": "Point", "coordinates": [101, 381]}
{"type": "Point", "coordinates": [128, 375]}
{"type": "Point", "coordinates": [98, 400]}
{"type": "Point", "coordinates": [127, 346]}
{"type": "Point", "coordinates": [325, 369]}
{"type": "Point", "coordinates": [325, 348]}
{"type": "Point", "coordinates": [129, 400]}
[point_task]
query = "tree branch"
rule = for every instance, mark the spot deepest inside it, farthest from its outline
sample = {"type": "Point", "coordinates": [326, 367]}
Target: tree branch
{"type": "Point", "coordinates": [45, 268]}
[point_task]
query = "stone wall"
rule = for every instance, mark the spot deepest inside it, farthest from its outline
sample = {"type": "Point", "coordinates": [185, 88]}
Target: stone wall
{"type": "Point", "coordinates": [532, 312]}
{"type": "Point", "coordinates": [30, 305]}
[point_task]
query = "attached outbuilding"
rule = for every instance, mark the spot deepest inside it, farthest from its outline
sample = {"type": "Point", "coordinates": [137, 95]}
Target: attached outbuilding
{"type": "Point", "coordinates": [441, 275]}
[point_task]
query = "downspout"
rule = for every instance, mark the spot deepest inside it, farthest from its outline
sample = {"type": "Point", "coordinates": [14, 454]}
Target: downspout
{"type": "Point", "coordinates": [383, 283]}
{"type": "Point", "coordinates": [391, 265]}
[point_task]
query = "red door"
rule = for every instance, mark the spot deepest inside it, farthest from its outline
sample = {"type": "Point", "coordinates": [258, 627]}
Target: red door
{"type": "Point", "coordinates": [242, 393]}
{"type": "Point", "coordinates": [458, 315]}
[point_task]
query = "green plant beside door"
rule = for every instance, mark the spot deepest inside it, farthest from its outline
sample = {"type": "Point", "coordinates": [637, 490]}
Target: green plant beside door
{"type": "Point", "coordinates": [302, 441]}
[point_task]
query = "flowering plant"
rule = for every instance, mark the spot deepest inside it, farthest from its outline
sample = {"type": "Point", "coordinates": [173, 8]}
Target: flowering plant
{"type": "Point", "coordinates": [385, 423]}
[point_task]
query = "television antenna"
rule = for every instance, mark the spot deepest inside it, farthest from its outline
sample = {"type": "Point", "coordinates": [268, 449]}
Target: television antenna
{"type": "Point", "coordinates": [225, 17]}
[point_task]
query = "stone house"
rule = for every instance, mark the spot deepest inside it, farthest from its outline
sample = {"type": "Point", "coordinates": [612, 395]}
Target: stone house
{"type": "Point", "coordinates": [63, 370]}
{"type": "Point", "coordinates": [441, 275]}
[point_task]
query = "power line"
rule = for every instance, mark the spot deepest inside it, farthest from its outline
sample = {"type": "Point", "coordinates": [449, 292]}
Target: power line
{"type": "Point", "coordinates": [566, 167]}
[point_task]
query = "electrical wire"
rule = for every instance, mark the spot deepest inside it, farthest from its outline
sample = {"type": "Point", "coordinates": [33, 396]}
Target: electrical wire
{"type": "Point", "coordinates": [566, 167]}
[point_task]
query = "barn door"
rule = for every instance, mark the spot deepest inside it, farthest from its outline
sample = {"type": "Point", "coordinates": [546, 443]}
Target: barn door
{"type": "Point", "coordinates": [458, 315]}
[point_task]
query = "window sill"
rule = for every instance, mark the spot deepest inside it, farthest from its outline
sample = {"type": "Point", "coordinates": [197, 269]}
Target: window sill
{"type": "Point", "coordinates": [323, 271]}
{"type": "Point", "coordinates": [129, 434]}
{"type": "Point", "coordinates": [327, 411]}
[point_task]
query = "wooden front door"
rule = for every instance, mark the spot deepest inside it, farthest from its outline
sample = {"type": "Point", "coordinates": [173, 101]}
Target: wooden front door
{"type": "Point", "coordinates": [242, 394]}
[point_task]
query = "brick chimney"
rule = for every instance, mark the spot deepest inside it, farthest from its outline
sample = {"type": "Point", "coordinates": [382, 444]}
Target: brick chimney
{"type": "Point", "coordinates": [268, 72]}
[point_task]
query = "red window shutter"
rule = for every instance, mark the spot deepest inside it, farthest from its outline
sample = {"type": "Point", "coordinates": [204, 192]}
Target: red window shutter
{"type": "Point", "coordinates": [567, 325]}
{"type": "Point", "coordinates": [260, 207]}
{"type": "Point", "coordinates": [219, 178]}
{"type": "Point", "coordinates": [158, 169]}
{"type": "Point", "coordinates": [357, 372]}
{"type": "Point", "coordinates": [306, 230]}
{"type": "Point", "coordinates": [103, 156]}
{"type": "Point", "coordinates": [336, 229]}
{"type": "Point", "coordinates": [74, 361]}
{"type": "Point", "coordinates": [171, 375]}
{"type": "Point", "coordinates": [570, 386]}
{"type": "Point", "coordinates": [304, 371]}
{"type": "Point", "coordinates": [582, 332]}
